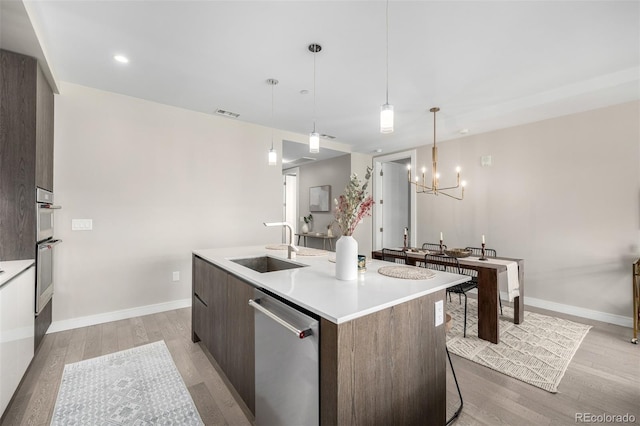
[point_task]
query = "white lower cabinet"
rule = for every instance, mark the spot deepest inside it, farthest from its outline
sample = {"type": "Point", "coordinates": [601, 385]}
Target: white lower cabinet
{"type": "Point", "coordinates": [17, 298]}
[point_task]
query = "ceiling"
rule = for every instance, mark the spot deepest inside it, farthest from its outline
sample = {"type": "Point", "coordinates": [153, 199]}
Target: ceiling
{"type": "Point", "coordinates": [486, 64]}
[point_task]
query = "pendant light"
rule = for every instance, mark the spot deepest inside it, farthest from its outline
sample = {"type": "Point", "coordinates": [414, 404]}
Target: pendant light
{"type": "Point", "coordinates": [314, 137]}
{"type": "Point", "coordinates": [386, 110]}
{"type": "Point", "coordinates": [273, 155]}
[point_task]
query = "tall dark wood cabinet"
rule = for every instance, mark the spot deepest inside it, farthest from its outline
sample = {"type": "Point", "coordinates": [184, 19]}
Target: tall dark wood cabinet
{"type": "Point", "coordinates": [17, 156]}
{"type": "Point", "coordinates": [26, 159]}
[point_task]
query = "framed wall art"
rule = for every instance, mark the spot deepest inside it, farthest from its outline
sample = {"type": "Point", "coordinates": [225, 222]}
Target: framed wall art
{"type": "Point", "coordinates": [319, 198]}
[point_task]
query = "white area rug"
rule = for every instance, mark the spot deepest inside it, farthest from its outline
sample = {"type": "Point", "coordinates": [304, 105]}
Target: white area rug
{"type": "Point", "coordinates": [139, 386]}
{"type": "Point", "coordinates": [538, 351]}
{"type": "Point", "coordinates": [407, 272]}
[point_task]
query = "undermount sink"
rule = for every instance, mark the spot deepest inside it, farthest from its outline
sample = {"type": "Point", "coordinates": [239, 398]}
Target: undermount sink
{"type": "Point", "coordinates": [264, 264]}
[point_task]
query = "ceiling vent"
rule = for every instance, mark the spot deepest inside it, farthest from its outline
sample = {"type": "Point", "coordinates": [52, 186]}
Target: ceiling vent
{"type": "Point", "coordinates": [299, 161]}
{"type": "Point", "coordinates": [227, 113]}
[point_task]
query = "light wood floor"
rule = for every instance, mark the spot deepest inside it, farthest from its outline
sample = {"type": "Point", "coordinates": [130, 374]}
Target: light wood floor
{"type": "Point", "coordinates": [603, 377]}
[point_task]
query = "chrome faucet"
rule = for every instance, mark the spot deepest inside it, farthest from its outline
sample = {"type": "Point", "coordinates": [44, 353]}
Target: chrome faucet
{"type": "Point", "coordinates": [291, 249]}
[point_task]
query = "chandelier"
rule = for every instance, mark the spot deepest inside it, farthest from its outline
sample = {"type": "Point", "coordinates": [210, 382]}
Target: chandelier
{"type": "Point", "coordinates": [435, 189]}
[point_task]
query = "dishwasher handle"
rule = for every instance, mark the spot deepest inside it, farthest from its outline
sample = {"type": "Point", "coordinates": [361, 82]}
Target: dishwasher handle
{"type": "Point", "coordinates": [255, 304]}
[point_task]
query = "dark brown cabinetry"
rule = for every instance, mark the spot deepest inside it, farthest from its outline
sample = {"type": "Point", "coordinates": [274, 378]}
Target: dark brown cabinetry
{"type": "Point", "coordinates": [26, 159]}
{"type": "Point", "coordinates": [385, 368]}
{"type": "Point", "coordinates": [26, 144]}
{"type": "Point", "coordinates": [223, 321]}
{"type": "Point", "coordinates": [17, 159]}
{"type": "Point", "coordinates": [44, 133]}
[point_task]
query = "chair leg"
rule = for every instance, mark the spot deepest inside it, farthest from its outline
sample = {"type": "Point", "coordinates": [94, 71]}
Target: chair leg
{"type": "Point", "coordinates": [500, 300]}
{"type": "Point", "coordinates": [460, 298]}
{"type": "Point", "coordinates": [465, 315]}
{"type": "Point", "coordinates": [459, 410]}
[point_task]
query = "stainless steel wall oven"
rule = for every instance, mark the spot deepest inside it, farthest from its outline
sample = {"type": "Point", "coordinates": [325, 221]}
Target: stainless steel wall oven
{"type": "Point", "coordinates": [44, 247]}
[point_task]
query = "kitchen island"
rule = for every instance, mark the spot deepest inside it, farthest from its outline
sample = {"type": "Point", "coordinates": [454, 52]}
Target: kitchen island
{"type": "Point", "coordinates": [382, 357]}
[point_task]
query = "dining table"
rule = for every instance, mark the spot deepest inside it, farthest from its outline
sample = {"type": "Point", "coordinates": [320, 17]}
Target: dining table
{"type": "Point", "coordinates": [492, 275]}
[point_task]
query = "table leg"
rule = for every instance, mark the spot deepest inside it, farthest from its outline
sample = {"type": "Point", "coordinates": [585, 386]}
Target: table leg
{"type": "Point", "coordinates": [518, 302]}
{"type": "Point", "coordinates": [488, 324]}
{"type": "Point", "coordinates": [298, 240]}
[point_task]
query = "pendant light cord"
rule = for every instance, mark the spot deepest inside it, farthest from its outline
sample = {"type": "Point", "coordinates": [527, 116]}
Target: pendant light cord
{"type": "Point", "coordinates": [272, 88]}
{"type": "Point", "coordinates": [314, 90]}
{"type": "Point", "coordinates": [387, 57]}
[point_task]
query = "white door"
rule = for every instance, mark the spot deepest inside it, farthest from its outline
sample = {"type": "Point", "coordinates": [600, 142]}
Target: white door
{"type": "Point", "coordinates": [398, 209]}
{"type": "Point", "coordinates": [395, 206]}
{"type": "Point", "coordinates": [290, 203]}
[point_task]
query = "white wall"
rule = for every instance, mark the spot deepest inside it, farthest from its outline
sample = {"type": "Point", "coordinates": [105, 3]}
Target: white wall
{"type": "Point", "coordinates": [563, 194]}
{"type": "Point", "coordinates": [364, 232]}
{"type": "Point", "coordinates": [334, 172]}
{"type": "Point", "coordinates": [158, 182]}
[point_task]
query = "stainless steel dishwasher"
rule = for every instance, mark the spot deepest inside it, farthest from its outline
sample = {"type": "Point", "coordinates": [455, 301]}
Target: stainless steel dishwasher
{"type": "Point", "coordinates": [287, 370]}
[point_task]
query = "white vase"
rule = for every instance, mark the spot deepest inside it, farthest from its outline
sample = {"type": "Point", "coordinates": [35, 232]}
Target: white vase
{"type": "Point", "coordinates": [346, 258]}
{"type": "Point", "coordinates": [305, 228]}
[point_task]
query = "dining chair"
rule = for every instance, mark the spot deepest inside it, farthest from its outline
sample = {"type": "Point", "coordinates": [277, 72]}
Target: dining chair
{"type": "Point", "coordinates": [477, 251]}
{"type": "Point", "coordinates": [451, 264]}
{"type": "Point", "coordinates": [397, 256]}
{"type": "Point", "coordinates": [433, 246]}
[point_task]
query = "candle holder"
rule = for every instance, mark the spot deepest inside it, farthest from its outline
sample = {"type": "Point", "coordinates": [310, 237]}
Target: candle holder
{"type": "Point", "coordinates": [405, 242]}
{"type": "Point", "coordinates": [483, 254]}
{"type": "Point", "coordinates": [441, 250]}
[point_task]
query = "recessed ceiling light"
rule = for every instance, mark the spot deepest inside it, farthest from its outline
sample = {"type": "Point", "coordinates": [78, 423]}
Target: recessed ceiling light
{"type": "Point", "coordinates": [304, 92]}
{"type": "Point", "coordinates": [121, 58]}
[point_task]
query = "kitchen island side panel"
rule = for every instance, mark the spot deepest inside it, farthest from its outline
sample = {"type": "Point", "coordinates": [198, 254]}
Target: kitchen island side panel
{"type": "Point", "coordinates": [386, 368]}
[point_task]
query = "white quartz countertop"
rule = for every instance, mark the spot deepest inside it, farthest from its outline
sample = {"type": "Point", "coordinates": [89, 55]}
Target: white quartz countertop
{"type": "Point", "coordinates": [315, 287]}
{"type": "Point", "coordinates": [12, 269]}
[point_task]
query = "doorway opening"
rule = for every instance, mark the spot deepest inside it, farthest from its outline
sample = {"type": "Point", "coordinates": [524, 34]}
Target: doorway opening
{"type": "Point", "coordinates": [290, 201]}
{"type": "Point", "coordinates": [395, 207]}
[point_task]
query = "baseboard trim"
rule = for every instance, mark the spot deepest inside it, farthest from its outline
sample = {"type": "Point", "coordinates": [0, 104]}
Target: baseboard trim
{"type": "Point", "coordinates": [117, 315]}
{"type": "Point", "coordinates": [575, 310]}
{"type": "Point", "coordinates": [185, 303]}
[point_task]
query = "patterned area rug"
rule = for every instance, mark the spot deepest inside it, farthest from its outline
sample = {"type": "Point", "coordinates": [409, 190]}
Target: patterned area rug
{"type": "Point", "coordinates": [139, 386]}
{"type": "Point", "coordinates": [538, 351]}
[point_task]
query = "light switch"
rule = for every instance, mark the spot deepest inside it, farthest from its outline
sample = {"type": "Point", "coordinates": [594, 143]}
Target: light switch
{"type": "Point", "coordinates": [81, 224]}
{"type": "Point", "coordinates": [439, 312]}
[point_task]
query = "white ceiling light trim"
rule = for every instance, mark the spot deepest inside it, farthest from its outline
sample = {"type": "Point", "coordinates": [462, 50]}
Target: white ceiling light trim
{"type": "Point", "coordinates": [121, 58]}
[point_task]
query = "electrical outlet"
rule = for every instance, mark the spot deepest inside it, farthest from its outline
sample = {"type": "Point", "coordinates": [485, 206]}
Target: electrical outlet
{"type": "Point", "coordinates": [81, 224]}
{"type": "Point", "coordinates": [176, 275]}
{"type": "Point", "coordinates": [439, 312]}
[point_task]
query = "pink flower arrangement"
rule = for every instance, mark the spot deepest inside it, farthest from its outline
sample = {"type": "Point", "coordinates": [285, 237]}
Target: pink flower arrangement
{"type": "Point", "coordinates": [354, 205]}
